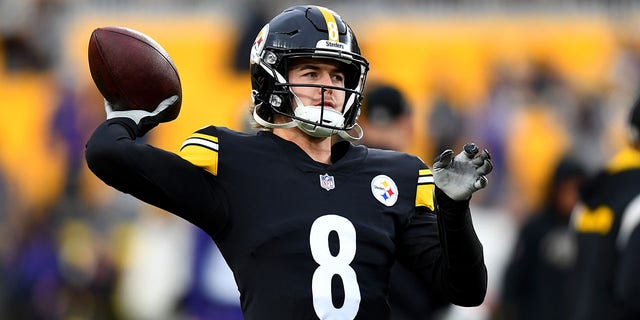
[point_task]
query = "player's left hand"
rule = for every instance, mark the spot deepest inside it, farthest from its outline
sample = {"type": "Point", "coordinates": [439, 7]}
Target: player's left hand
{"type": "Point", "coordinates": [460, 176]}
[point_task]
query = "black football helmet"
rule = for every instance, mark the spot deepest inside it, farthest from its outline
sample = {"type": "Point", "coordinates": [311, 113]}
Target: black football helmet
{"type": "Point", "coordinates": [311, 32]}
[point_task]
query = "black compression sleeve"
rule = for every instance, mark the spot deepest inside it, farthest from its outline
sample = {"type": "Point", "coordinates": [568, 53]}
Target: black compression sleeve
{"type": "Point", "coordinates": [465, 274]}
{"type": "Point", "coordinates": [153, 175]}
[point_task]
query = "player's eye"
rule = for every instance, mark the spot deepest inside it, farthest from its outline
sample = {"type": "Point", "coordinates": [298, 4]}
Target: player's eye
{"type": "Point", "coordinates": [310, 74]}
{"type": "Point", "coordinates": [338, 78]}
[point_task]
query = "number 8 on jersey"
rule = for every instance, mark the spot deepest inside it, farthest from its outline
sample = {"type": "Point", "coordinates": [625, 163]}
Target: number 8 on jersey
{"type": "Point", "coordinates": [330, 265]}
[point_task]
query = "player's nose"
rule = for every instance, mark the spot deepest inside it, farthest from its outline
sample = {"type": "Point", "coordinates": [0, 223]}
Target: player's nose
{"type": "Point", "coordinates": [325, 79]}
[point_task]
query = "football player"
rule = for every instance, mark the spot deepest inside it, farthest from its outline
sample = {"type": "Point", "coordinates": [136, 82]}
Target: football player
{"type": "Point", "coordinates": [607, 225]}
{"type": "Point", "coordinates": [309, 225]}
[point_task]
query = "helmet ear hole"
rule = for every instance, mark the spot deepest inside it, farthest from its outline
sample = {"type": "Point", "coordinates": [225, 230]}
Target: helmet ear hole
{"type": "Point", "coordinates": [275, 101]}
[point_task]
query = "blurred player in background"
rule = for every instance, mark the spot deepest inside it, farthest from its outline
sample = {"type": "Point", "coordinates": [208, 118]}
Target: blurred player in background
{"type": "Point", "coordinates": [212, 292]}
{"type": "Point", "coordinates": [537, 279]}
{"type": "Point", "coordinates": [607, 223]}
{"type": "Point", "coordinates": [387, 122]}
{"type": "Point", "coordinates": [310, 228]}
{"type": "Point", "coordinates": [386, 118]}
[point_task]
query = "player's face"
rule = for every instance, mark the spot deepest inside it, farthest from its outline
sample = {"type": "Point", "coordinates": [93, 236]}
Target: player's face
{"type": "Point", "coordinates": [318, 72]}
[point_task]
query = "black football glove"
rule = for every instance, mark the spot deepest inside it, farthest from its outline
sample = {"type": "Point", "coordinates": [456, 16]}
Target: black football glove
{"type": "Point", "coordinates": [460, 176]}
{"type": "Point", "coordinates": [145, 120]}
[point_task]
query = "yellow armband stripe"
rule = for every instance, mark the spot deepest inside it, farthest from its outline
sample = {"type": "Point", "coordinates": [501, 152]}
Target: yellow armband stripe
{"type": "Point", "coordinates": [201, 150]}
{"type": "Point", "coordinates": [424, 192]}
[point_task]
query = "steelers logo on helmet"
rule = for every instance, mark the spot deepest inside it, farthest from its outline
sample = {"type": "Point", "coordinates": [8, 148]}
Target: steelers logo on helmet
{"type": "Point", "coordinates": [258, 44]}
{"type": "Point", "coordinates": [384, 189]}
{"type": "Point", "coordinates": [306, 32]}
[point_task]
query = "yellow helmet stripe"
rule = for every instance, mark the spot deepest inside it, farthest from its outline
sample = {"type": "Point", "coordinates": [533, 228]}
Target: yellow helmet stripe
{"type": "Point", "coordinates": [332, 26]}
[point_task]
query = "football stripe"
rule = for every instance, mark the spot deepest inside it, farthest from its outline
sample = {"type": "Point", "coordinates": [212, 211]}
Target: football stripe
{"type": "Point", "coordinates": [424, 196]}
{"type": "Point", "coordinates": [201, 150]}
{"type": "Point", "coordinates": [425, 180]}
{"type": "Point", "coordinates": [204, 136]}
{"type": "Point", "coordinates": [202, 157]}
{"type": "Point", "coordinates": [200, 142]}
{"type": "Point", "coordinates": [424, 190]}
{"type": "Point", "coordinates": [425, 177]}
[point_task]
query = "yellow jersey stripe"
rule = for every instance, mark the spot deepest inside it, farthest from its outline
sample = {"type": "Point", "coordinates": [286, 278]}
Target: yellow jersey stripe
{"type": "Point", "coordinates": [204, 136]}
{"type": "Point", "coordinates": [424, 190]}
{"type": "Point", "coordinates": [201, 150]}
{"type": "Point", "coordinates": [202, 157]}
{"type": "Point", "coordinates": [204, 140]}
{"type": "Point", "coordinates": [424, 196]}
{"type": "Point", "coordinates": [201, 142]}
{"type": "Point", "coordinates": [425, 177]}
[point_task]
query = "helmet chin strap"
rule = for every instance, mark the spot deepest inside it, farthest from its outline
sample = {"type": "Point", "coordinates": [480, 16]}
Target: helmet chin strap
{"type": "Point", "coordinates": [267, 124]}
{"type": "Point", "coordinates": [312, 114]}
{"type": "Point", "coordinates": [345, 134]}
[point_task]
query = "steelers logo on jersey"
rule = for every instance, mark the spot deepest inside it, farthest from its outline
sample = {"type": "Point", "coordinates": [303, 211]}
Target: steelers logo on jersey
{"type": "Point", "coordinates": [384, 190]}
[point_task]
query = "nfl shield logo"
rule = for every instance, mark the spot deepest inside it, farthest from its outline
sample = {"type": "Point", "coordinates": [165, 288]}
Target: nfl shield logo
{"type": "Point", "coordinates": [327, 182]}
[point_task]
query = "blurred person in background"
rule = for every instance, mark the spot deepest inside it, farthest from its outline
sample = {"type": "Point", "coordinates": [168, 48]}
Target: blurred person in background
{"type": "Point", "coordinates": [446, 125]}
{"type": "Point", "coordinates": [386, 118]}
{"type": "Point", "coordinates": [607, 224]}
{"type": "Point", "coordinates": [53, 257]}
{"type": "Point", "coordinates": [6, 212]}
{"type": "Point", "coordinates": [254, 15]}
{"type": "Point", "coordinates": [536, 280]}
{"type": "Point", "coordinates": [212, 292]}
{"type": "Point", "coordinates": [309, 225]}
{"type": "Point", "coordinates": [29, 34]}
{"type": "Point", "coordinates": [33, 278]}
{"type": "Point", "coordinates": [57, 268]}
{"type": "Point", "coordinates": [387, 122]}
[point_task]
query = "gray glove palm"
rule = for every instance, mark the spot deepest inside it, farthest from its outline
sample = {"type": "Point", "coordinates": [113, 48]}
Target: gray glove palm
{"type": "Point", "coordinates": [145, 120]}
{"type": "Point", "coordinates": [460, 176]}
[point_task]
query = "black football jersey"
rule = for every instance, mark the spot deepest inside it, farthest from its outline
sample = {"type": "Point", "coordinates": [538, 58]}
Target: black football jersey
{"type": "Point", "coordinates": [305, 240]}
{"type": "Point", "coordinates": [607, 226]}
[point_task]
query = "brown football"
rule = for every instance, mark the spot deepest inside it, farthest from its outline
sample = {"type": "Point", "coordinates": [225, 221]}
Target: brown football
{"type": "Point", "coordinates": [133, 71]}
